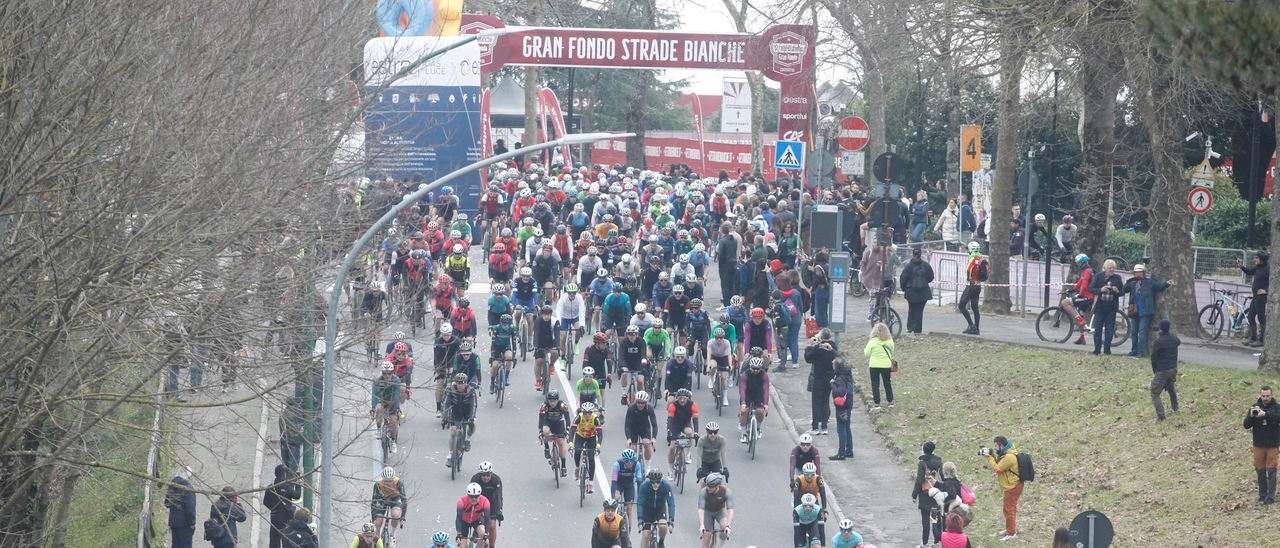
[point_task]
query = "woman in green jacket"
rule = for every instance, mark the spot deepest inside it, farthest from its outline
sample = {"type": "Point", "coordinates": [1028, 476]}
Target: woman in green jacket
{"type": "Point", "coordinates": [880, 351]}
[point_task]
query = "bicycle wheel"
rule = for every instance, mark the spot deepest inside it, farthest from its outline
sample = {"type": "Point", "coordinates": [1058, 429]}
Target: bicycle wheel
{"type": "Point", "coordinates": [501, 379]}
{"type": "Point", "coordinates": [753, 432]}
{"type": "Point", "coordinates": [895, 323]}
{"type": "Point", "coordinates": [680, 469]}
{"type": "Point", "coordinates": [485, 244]}
{"type": "Point", "coordinates": [555, 468]}
{"type": "Point", "coordinates": [1211, 323]}
{"type": "Point", "coordinates": [717, 392]}
{"type": "Point", "coordinates": [546, 377]}
{"type": "Point", "coordinates": [385, 434]}
{"type": "Point", "coordinates": [856, 289]}
{"type": "Point", "coordinates": [457, 455]}
{"type": "Point", "coordinates": [582, 480]}
{"type": "Point", "coordinates": [524, 337]}
{"type": "Point", "coordinates": [698, 365]}
{"type": "Point", "coordinates": [1054, 325]}
{"type": "Point", "coordinates": [1122, 330]}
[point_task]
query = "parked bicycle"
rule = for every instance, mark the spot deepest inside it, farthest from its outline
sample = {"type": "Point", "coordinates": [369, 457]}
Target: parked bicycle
{"type": "Point", "coordinates": [1225, 313]}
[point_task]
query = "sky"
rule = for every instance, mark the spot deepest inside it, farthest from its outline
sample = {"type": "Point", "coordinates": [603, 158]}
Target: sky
{"type": "Point", "coordinates": [707, 16]}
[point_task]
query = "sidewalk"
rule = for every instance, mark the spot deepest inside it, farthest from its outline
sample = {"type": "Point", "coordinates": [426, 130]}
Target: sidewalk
{"type": "Point", "coordinates": [870, 488]}
{"type": "Point", "coordinates": [1017, 329]}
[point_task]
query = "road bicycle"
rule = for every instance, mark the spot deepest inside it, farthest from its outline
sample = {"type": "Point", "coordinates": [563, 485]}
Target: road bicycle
{"type": "Point", "coordinates": [459, 448]}
{"type": "Point", "coordinates": [717, 392]}
{"type": "Point", "coordinates": [1224, 313]}
{"type": "Point", "coordinates": [699, 362]}
{"type": "Point", "coordinates": [549, 447]}
{"type": "Point", "coordinates": [1057, 326]}
{"type": "Point", "coordinates": [522, 327]}
{"type": "Point", "coordinates": [384, 436]}
{"type": "Point", "coordinates": [679, 469]}
{"type": "Point", "coordinates": [583, 476]}
{"type": "Point", "coordinates": [385, 531]}
{"type": "Point", "coordinates": [884, 312]}
{"type": "Point", "coordinates": [753, 431]}
{"type": "Point", "coordinates": [715, 541]}
{"type": "Point", "coordinates": [500, 381]}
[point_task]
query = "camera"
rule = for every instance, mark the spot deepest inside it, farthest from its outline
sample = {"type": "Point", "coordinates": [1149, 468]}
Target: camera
{"type": "Point", "coordinates": [984, 451]}
{"type": "Point", "coordinates": [1256, 411]}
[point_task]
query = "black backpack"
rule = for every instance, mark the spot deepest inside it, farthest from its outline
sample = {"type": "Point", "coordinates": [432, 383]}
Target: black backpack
{"type": "Point", "coordinates": [214, 529]}
{"type": "Point", "coordinates": [1026, 470]}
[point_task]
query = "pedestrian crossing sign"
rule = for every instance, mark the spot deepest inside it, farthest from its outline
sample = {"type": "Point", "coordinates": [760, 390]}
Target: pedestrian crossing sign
{"type": "Point", "coordinates": [788, 155]}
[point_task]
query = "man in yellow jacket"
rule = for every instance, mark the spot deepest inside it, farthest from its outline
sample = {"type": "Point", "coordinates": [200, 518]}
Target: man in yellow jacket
{"type": "Point", "coordinates": [1004, 462]}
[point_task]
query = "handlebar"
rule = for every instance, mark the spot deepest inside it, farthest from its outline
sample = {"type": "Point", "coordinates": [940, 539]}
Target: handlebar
{"type": "Point", "coordinates": [1227, 292]}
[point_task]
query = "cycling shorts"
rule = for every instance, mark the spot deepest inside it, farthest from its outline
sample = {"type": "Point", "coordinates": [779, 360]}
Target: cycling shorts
{"type": "Point", "coordinates": [722, 362]}
{"type": "Point", "coordinates": [501, 276]}
{"type": "Point", "coordinates": [464, 528]}
{"type": "Point", "coordinates": [381, 506]}
{"type": "Point", "coordinates": [711, 520]}
{"type": "Point", "coordinates": [491, 216]}
{"type": "Point", "coordinates": [708, 468]}
{"type": "Point", "coordinates": [674, 431]}
{"type": "Point", "coordinates": [566, 323]}
{"type": "Point", "coordinates": [628, 490]}
{"type": "Point", "coordinates": [540, 353]}
{"type": "Point", "coordinates": [971, 294]}
{"type": "Point", "coordinates": [647, 523]}
{"type": "Point", "coordinates": [558, 429]}
{"type": "Point", "coordinates": [618, 325]}
{"type": "Point", "coordinates": [528, 305]}
{"type": "Point", "coordinates": [497, 348]}
{"type": "Point", "coordinates": [1082, 304]}
{"type": "Point", "coordinates": [598, 301]}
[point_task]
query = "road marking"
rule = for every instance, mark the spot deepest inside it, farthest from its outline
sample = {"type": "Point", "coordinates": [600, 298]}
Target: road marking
{"type": "Point", "coordinates": [602, 479]}
{"type": "Point", "coordinates": [257, 472]}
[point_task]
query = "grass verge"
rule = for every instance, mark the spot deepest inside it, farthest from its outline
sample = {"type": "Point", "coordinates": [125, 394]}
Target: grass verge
{"type": "Point", "coordinates": [106, 504]}
{"type": "Point", "coordinates": [1090, 426]}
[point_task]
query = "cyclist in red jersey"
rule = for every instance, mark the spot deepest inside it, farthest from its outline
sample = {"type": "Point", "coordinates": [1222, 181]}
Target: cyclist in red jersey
{"type": "Point", "coordinates": [1080, 304]}
{"type": "Point", "coordinates": [473, 514]}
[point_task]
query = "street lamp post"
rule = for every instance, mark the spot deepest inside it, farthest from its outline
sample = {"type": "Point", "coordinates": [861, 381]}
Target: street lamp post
{"type": "Point", "coordinates": [331, 321]}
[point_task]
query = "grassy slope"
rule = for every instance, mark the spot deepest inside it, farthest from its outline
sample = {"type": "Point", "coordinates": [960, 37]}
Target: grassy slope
{"type": "Point", "coordinates": [1089, 423]}
{"type": "Point", "coordinates": [106, 504]}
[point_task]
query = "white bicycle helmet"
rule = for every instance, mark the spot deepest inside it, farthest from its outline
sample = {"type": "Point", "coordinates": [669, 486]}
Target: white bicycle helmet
{"type": "Point", "coordinates": [526, 271]}
{"type": "Point", "coordinates": [473, 490]}
{"type": "Point", "coordinates": [642, 396]}
{"type": "Point", "coordinates": [446, 329]}
{"type": "Point", "coordinates": [680, 351]}
{"type": "Point", "coordinates": [808, 499]}
{"type": "Point", "coordinates": [457, 248]}
{"type": "Point", "coordinates": [388, 472]}
{"type": "Point", "coordinates": [974, 247]}
{"type": "Point", "coordinates": [455, 234]}
{"type": "Point", "coordinates": [806, 439]}
{"type": "Point", "coordinates": [587, 372]}
{"type": "Point", "coordinates": [809, 468]}
{"type": "Point", "coordinates": [486, 467]}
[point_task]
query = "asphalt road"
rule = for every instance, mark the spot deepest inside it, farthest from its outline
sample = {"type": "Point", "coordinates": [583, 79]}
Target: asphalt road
{"type": "Point", "coordinates": [536, 512]}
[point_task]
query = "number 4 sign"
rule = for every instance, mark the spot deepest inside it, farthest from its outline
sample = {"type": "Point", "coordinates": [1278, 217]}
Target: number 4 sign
{"type": "Point", "coordinates": [970, 148]}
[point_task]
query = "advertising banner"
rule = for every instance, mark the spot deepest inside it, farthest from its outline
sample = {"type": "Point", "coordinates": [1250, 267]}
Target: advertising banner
{"type": "Point", "coordinates": [661, 153]}
{"type": "Point", "coordinates": [552, 104]}
{"type": "Point", "coordinates": [428, 122]}
{"type": "Point", "coordinates": [697, 126]}
{"type": "Point", "coordinates": [735, 107]}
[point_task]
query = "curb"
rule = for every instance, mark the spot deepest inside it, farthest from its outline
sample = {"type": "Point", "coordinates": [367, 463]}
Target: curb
{"type": "Point", "coordinates": [795, 440]}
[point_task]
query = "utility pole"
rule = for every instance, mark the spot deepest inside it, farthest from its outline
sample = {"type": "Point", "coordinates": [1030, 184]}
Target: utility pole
{"type": "Point", "coordinates": [1048, 199]}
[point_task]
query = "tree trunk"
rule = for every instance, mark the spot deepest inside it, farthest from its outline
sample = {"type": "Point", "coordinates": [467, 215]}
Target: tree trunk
{"type": "Point", "coordinates": [1152, 78]}
{"type": "Point", "coordinates": [1270, 360]}
{"type": "Point", "coordinates": [873, 84]}
{"type": "Point", "coordinates": [953, 129]}
{"type": "Point", "coordinates": [1012, 58]}
{"type": "Point", "coordinates": [756, 82]}
{"type": "Point", "coordinates": [639, 98]}
{"type": "Point", "coordinates": [530, 106]}
{"type": "Point", "coordinates": [1098, 79]}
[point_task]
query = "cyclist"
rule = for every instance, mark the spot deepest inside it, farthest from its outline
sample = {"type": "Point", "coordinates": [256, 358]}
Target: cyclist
{"type": "Point", "coordinates": [1079, 304]}
{"type": "Point", "coordinates": [467, 363]}
{"type": "Point", "coordinates": [627, 473]}
{"type": "Point", "coordinates": [589, 264]}
{"type": "Point", "coordinates": [588, 388]}
{"type": "Point", "coordinates": [692, 288]}
{"type": "Point", "coordinates": [642, 318]}
{"type": "Point", "coordinates": [368, 537]}
{"type": "Point", "coordinates": [802, 454]}
{"type": "Point", "coordinates": [753, 392]}
{"type": "Point", "coordinates": [682, 421]}
{"type": "Point", "coordinates": [730, 331]}
{"type": "Point", "coordinates": [374, 300]}
{"type": "Point", "coordinates": [500, 264]}
{"type": "Point", "coordinates": [385, 405]}
{"type": "Point", "coordinates": [600, 288]}
{"type": "Point", "coordinates": [649, 278]}
{"type": "Point", "coordinates": [758, 333]}
{"type": "Point", "coordinates": [662, 290]}
{"type": "Point", "coordinates": [553, 421]}
{"type": "Point", "coordinates": [446, 205]}
{"type": "Point", "coordinates": [699, 259]}
{"type": "Point", "coordinates": [738, 316]}
{"type": "Point", "coordinates": [399, 337]}
{"type": "Point", "coordinates": [656, 507]}
{"type": "Point", "coordinates": [446, 350]}
{"type": "Point", "coordinates": [628, 268]}
{"type": "Point", "coordinates": [715, 510]}
{"type": "Point", "coordinates": [679, 372]}
{"type": "Point", "coordinates": [509, 244]}
{"type": "Point", "coordinates": [490, 488]}
{"type": "Point", "coordinates": [657, 339]}
{"type": "Point", "coordinates": [711, 453]}
{"type": "Point", "coordinates": [524, 294]}
{"type": "Point", "coordinates": [491, 203]}
{"type": "Point", "coordinates": [675, 315]}
{"type": "Point", "coordinates": [390, 500]}
{"type": "Point", "coordinates": [641, 427]}
{"type": "Point", "coordinates": [807, 520]}
{"type": "Point", "coordinates": [459, 408]}
{"type": "Point", "coordinates": [617, 311]}
{"type": "Point", "coordinates": [458, 265]}
{"type": "Point", "coordinates": [500, 353]}
{"type": "Point", "coordinates": [569, 309]}
{"type": "Point", "coordinates": [499, 304]}
{"type": "Point", "coordinates": [544, 346]}
{"type": "Point", "coordinates": [588, 430]}
{"type": "Point", "coordinates": [545, 265]}
{"type": "Point", "coordinates": [607, 528]}
{"type": "Point", "coordinates": [445, 294]}
{"type": "Point", "coordinates": [631, 350]}
{"type": "Point", "coordinates": [463, 228]}
{"type": "Point", "coordinates": [402, 365]}
{"type": "Point", "coordinates": [808, 482]}
{"type": "Point", "coordinates": [682, 270]}
{"type": "Point", "coordinates": [699, 325]}
{"type": "Point", "coordinates": [721, 360]}
{"type": "Point", "coordinates": [435, 241]}
{"type": "Point", "coordinates": [597, 357]}
{"type": "Point", "coordinates": [847, 537]}
{"type": "Point", "coordinates": [464, 319]}
{"type": "Point", "coordinates": [474, 512]}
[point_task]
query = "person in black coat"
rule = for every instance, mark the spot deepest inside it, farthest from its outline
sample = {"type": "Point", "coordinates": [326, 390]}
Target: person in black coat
{"type": "Point", "coordinates": [292, 420]}
{"type": "Point", "coordinates": [1261, 272]}
{"type": "Point", "coordinates": [228, 511]}
{"type": "Point", "coordinates": [181, 502]}
{"type": "Point", "coordinates": [820, 354]}
{"type": "Point", "coordinates": [842, 397]}
{"type": "Point", "coordinates": [927, 470]}
{"type": "Point", "coordinates": [1164, 368]}
{"type": "Point", "coordinates": [914, 281]}
{"type": "Point", "coordinates": [298, 533]}
{"type": "Point", "coordinates": [1264, 420]}
{"type": "Point", "coordinates": [279, 502]}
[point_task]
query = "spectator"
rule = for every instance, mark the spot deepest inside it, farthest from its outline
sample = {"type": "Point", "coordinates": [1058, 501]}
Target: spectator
{"type": "Point", "coordinates": [788, 245]}
{"type": "Point", "coordinates": [1016, 236]}
{"type": "Point", "coordinates": [1142, 291]}
{"type": "Point", "coordinates": [880, 351]}
{"type": "Point", "coordinates": [927, 470]}
{"type": "Point", "coordinates": [919, 216]}
{"type": "Point", "coordinates": [1164, 368]}
{"type": "Point", "coordinates": [1064, 235]}
{"type": "Point", "coordinates": [760, 285]}
{"type": "Point", "coordinates": [227, 511]}
{"type": "Point", "coordinates": [954, 536]}
{"type": "Point", "coordinates": [1108, 287]}
{"type": "Point", "coordinates": [946, 492]}
{"type": "Point", "coordinates": [878, 267]}
{"type": "Point", "coordinates": [1004, 463]}
{"type": "Point", "coordinates": [180, 499]}
{"type": "Point", "coordinates": [842, 397]}
{"type": "Point", "coordinates": [968, 223]}
{"type": "Point", "coordinates": [949, 225]}
{"type": "Point", "coordinates": [291, 431]}
{"type": "Point", "coordinates": [1264, 419]}
{"type": "Point", "coordinates": [1062, 538]}
{"type": "Point", "coordinates": [915, 280]}
{"type": "Point", "coordinates": [1261, 272]}
{"type": "Point", "coordinates": [820, 288]}
{"type": "Point", "coordinates": [279, 502]}
{"type": "Point", "coordinates": [299, 533]}
{"type": "Point", "coordinates": [819, 355]}
{"type": "Point", "coordinates": [726, 252]}
{"type": "Point", "coordinates": [937, 194]}
{"type": "Point", "coordinates": [975, 273]}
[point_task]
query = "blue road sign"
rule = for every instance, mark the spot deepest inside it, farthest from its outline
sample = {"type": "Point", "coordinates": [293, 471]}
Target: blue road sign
{"type": "Point", "coordinates": [788, 155]}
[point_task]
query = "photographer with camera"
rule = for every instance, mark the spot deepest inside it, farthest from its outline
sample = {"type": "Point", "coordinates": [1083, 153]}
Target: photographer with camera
{"type": "Point", "coordinates": [1264, 419]}
{"type": "Point", "coordinates": [1003, 459]}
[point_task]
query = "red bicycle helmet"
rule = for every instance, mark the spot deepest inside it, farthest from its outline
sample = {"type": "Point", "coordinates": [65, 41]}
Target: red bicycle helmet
{"type": "Point", "coordinates": [499, 247]}
{"type": "Point", "coordinates": [444, 278]}
{"type": "Point", "coordinates": [599, 337]}
{"type": "Point", "coordinates": [401, 347]}
{"type": "Point", "coordinates": [757, 312]}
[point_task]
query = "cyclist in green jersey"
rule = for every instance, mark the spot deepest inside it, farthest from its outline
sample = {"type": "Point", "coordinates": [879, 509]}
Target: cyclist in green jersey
{"type": "Point", "coordinates": [657, 339]}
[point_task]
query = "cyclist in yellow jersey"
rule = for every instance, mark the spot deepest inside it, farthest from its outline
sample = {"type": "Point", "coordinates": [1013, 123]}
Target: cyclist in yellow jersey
{"type": "Point", "coordinates": [368, 538]}
{"type": "Point", "coordinates": [458, 265]}
{"type": "Point", "coordinates": [588, 430]}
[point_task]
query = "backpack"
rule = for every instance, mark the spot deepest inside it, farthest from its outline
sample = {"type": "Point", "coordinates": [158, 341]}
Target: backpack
{"type": "Point", "coordinates": [806, 300]}
{"type": "Point", "coordinates": [214, 530]}
{"type": "Point", "coordinates": [981, 269]}
{"type": "Point", "coordinates": [789, 305]}
{"type": "Point", "coordinates": [1026, 470]}
{"type": "Point", "coordinates": [806, 276]}
{"type": "Point", "coordinates": [173, 498]}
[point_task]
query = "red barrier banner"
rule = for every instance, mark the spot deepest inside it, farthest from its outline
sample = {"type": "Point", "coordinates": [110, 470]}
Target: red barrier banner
{"type": "Point", "coordinates": [661, 153]}
{"type": "Point", "coordinates": [552, 104]}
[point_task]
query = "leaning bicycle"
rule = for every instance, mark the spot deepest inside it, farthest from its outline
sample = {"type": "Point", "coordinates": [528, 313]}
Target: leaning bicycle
{"type": "Point", "coordinates": [1225, 313]}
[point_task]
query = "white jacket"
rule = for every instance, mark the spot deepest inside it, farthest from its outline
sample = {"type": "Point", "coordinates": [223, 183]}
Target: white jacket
{"type": "Point", "coordinates": [947, 224]}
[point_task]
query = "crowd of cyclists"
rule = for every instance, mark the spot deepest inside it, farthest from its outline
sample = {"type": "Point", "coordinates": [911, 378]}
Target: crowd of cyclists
{"type": "Point", "coordinates": [618, 257]}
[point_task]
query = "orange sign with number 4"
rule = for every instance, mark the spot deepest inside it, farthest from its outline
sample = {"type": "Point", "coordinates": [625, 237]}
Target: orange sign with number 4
{"type": "Point", "coordinates": [970, 148]}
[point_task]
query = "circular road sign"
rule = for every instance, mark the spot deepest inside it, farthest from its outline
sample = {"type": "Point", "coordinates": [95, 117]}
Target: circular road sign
{"type": "Point", "coordinates": [1200, 200]}
{"type": "Point", "coordinates": [854, 133]}
{"type": "Point", "coordinates": [888, 167]}
{"type": "Point", "coordinates": [1091, 530]}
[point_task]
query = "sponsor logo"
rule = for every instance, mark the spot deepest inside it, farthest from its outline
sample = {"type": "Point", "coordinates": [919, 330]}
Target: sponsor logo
{"type": "Point", "coordinates": [486, 42]}
{"type": "Point", "coordinates": [788, 50]}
